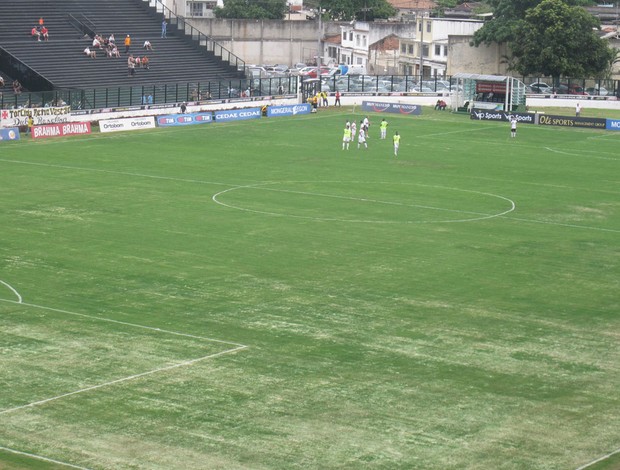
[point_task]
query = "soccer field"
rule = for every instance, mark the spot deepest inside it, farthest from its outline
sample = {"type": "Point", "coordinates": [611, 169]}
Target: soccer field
{"type": "Point", "coordinates": [250, 296]}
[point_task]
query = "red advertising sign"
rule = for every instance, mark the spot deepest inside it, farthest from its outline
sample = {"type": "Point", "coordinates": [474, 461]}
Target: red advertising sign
{"type": "Point", "coordinates": [60, 130]}
{"type": "Point", "coordinates": [491, 87]}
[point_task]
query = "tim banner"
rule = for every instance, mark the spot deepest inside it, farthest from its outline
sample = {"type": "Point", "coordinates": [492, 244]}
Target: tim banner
{"type": "Point", "coordinates": [127, 124]}
{"type": "Point", "coordinates": [19, 117]}
{"type": "Point", "coordinates": [60, 130]}
{"type": "Point", "coordinates": [487, 115]}
{"type": "Point", "coordinates": [613, 125]}
{"type": "Point", "coordinates": [237, 114]}
{"type": "Point", "coordinates": [381, 107]}
{"type": "Point", "coordinates": [184, 119]}
{"type": "Point", "coordinates": [291, 110]}
{"type": "Point", "coordinates": [12, 133]}
{"type": "Point", "coordinates": [567, 121]}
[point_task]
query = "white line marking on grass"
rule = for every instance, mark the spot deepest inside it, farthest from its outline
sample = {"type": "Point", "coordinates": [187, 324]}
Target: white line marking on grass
{"type": "Point", "coordinates": [581, 155]}
{"type": "Point", "coordinates": [600, 459]}
{"type": "Point", "coordinates": [585, 227]}
{"type": "Point", "coordinates": [328, 219]}
{"type": "Point", "coordinates": [135, 325]}
{"type": "Point", "coordinates": [455, 132]}
{"type": "Point", "coordinates": [19, 297]}
{"type": "Point", "coordinates": [40, 457]}
{"type": "Point", "coordinates": [121, 380]}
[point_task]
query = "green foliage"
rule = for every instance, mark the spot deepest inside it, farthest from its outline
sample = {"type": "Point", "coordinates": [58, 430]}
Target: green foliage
{"type": "Point", "coordinates": [361, 10]}
{"type": "Point", "coordinates": [253, 9]}
{"type": "Point", "coordinates": [557, 39]}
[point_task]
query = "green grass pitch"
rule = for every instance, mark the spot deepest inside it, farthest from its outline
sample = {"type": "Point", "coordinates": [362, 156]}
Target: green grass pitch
{"type": "Point", "coordinates": [250, 296]}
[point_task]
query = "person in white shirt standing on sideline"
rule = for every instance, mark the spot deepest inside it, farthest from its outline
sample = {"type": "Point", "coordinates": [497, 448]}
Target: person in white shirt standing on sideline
{"type": "Point", "coordinates": [578, 109]}
{"type": "Point", "coordinates": [361, 138]}
{"type": "Point", "coordinates": [513, 126]}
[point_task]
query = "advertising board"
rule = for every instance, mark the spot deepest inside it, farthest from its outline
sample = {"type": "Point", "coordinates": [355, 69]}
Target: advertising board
{"type": "Point", "coordinates": [60, 130]}
{"type": "Point", "coordinates": [382, 107]}
{"type": "Point", "coordinates": [127, 124]}
{"type": "Point", "coordinates": [184, 119]}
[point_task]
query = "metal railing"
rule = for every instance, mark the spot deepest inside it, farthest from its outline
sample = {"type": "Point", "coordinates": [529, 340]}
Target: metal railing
{"type": "Point", "coordinates": [83, 24]}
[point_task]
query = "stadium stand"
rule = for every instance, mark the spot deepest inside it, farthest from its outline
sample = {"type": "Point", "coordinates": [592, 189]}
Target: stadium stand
{"type": "Point", "coordinates": [71, 23]}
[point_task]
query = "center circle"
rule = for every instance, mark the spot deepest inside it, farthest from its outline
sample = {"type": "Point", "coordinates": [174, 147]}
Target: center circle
{"type": "Point", "coordinates": [365, 202]}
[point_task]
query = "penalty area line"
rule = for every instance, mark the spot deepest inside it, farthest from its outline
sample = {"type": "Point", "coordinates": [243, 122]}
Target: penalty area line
{"type": "Point", "coordinates": [40, 457]}
{"type": "Point", "coordinates": [121, 380]}
{"type": "Point", "coordinates": [19, 297]}
{"type": "Point", "coordinates": [600, 459]}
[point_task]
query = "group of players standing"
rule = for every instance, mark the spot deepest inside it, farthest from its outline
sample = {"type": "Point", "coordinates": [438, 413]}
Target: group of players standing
{"type": "Point", "coordinates": [350, 132]}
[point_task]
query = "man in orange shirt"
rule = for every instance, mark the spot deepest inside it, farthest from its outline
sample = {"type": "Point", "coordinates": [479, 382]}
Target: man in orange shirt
{"type": "Point", "coordinates": [127, 44]}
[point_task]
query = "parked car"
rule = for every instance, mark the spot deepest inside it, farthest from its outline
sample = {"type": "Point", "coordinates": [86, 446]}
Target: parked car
{"type": "Point", "coordinates": [540, 87]}
{"type": "Point", "coordinates": [599, 91]}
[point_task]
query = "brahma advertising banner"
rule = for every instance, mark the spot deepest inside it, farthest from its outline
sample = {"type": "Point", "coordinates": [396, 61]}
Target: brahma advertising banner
{"type": "Point", "coordinates": [488, 115]}
{"type": "Point", "coordinates": [568, 121]}
{"type": "Point", "coordinates": [401, 108]}
{"type": "Point", "coordinates": [11, 133]}
{"type": "Point", "coordinates": [19, 117]}
{"type": "Point", "coordinates": [127, 124]}
{"type": "Point", "coordinates": [184, 119]}
{"type": "Point", "coordinates": [291, 110]}
{"type": "Point", "coordinates": [60, 130]}
{"type": "Point", "coordinates": [237, 114]}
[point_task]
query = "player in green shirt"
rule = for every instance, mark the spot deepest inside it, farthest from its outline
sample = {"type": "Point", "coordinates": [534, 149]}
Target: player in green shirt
{"type": "Point", "coordinates": [346, 138]}
{"type": "Point", "coordinates": [383, 128]}
{"type": "Point", "coordinates": [396, 139]}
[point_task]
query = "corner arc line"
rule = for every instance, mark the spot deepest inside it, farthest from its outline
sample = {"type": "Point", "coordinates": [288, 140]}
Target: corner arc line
{"type": "Point", "coordinates": [19, 297]}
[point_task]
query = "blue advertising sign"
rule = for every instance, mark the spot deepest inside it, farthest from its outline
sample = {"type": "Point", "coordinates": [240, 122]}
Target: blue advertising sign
{"type": "Point", "coordinates": [237, 114]}
{"type": "Point", "coordinates": [10, 133]}
{"type": "Point", "coordinates": [290, 110]}
{"type": "Point", "coordinates": [184, 119]}
{"type": "Point", "coordinates": [381, 107]}
{"type": "Point", "coordinates": [613, 125]}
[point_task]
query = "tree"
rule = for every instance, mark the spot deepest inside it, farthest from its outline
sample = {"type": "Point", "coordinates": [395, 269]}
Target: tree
{"type": "Point", "coordinates": [361, 10]}
{"type": "Point", "coordinates": [506, 17]}
{"type": "Point", "coordinates": [557, 39]}
{"type": "Point", "coordinates": [253, 9]}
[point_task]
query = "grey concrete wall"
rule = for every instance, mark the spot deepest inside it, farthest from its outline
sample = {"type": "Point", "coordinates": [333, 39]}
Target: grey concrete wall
{"type": "Point", "coordinates": [278, 42]}
{"type": "Point", "coordinates": [483, 59]}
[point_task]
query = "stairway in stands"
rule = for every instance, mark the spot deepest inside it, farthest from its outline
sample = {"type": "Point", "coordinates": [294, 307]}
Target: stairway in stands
{"type": "Point", "coordinates": [61, 61]}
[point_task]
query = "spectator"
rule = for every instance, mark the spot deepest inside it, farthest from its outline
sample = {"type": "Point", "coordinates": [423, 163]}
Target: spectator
{"type": "Point", "coordinates": [147, 45]}
{"type": "Point", "coordinates": [45, 33]}
{"type": "Point", "coordinates": [35, 33]}
{"type": "Point", "coordinates": [113, 51]}
{"type": "Point", "coordinates": [89, 53]}
{"type": "Point", "coordinates": [137, 61]}
{"type": "Point", "coordinates": [111, 39]}
{"type": "Point", "coordinates": [127, 44]}
{"type": "Point", "coordinates": [17, 87]}
{"type": "Point", "coordinates": [164, 29]}
{"type": "Point", "coordinates": [150, 99]}
{"type": "Point", "coordinates": [96, 42]}
{"type": "Point", "coordinates": [440, 105]}
{"type": "Point", "coordinates": [41, 21]}
{"type": "Point", "coordinates": [145, 62]}
{"type": "Point", "coordinates": [131, 66]}
{"type": "Point", "coordinates": [183, 108]}
{"type": "Point", "coordinates": [1, 81]}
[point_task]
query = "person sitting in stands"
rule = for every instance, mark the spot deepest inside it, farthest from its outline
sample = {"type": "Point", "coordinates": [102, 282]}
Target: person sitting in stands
{"type": "Point", "coordinates": [137, 61]}
{"type": "Point", "coordinates": [145, 62]}
{"type": "Point", "coordinates": [17, 87]}
{"type": "Point", "coordinates": [89, 53]}
{"type": "Point", "coordinates": [96, 42]}
{"type": "Point", "coordinates": [1, 81]}
{"type": "Point", "coordinates": [114, 51]}
{"type": "Point", "coordinates": [45, 33]}
{"type": "Point", "coordinates": [111, 39]}
{"type": "Point", "coordinates": [35, 33]}
{"type": "Point", "coordinates": [147, 45]}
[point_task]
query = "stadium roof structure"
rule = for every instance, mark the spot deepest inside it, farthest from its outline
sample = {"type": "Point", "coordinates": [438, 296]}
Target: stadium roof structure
{"type": "Point", "coordinates": [468, 91]}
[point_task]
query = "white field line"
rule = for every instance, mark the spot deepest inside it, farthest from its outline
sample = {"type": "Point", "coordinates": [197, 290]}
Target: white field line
{"type": "Point", "coordinates": [135, 325]}
{"type": "Point", "coordinates": [600, 459]}
{"type": "Point", "coordinates": [560, 224]}
{"type": "Point", "coordinates": [580, 155]}
{"type": "Point", "coordinates": [19, 297]}
{"type": "Point", "coordinates": [121, 380]}
{"type": "Point", "coordinates": [483, 216]}
{"type": "Point", "coordinates": [40, 457]}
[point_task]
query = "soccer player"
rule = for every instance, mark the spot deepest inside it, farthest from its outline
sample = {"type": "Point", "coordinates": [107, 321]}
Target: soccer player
{"type": "Point", "coordinates": [383, 128]}
{"type": "Point", "coordinates": [361, 138]}
{"type": "Point", "coordinates": [353, 128]}
{"type": "Point", "coordinates": [396, 139]}
{"type": "Point", "coordinates": [513, 126]}
{"type": "Point", "coordinates": [366, 125]}
{"type": "Point", "coordinates": [346, 138]}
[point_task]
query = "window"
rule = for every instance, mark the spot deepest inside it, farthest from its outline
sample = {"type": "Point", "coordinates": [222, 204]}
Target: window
{"type": "Point", "coordinates": [420, 26]}
{"type": "Point", "coordinates": [437, 50]}
{"type": "Point", "coordinates": [357, 39]}
{"type": "Point", "coordinates": [364, 41]}
{"type": "Point", "coordinates": [359, 61]}
{"type": "Point", "coordinates": [344, 35]}
{"type": "Point", "coordinates": [428, 26]}
{"type": "Point", "coordinates": [351, 36]}
{"type": "Point", "coordinates": [410, 49]}
{"type": "Point", "coordinates": [403, 48]}
{"type": "Point", "coordinates": [425, 50]}
{"type": "Point", "coordinates": [332, 52]}
{"type": "Point", "coordinates": [195, 8]}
